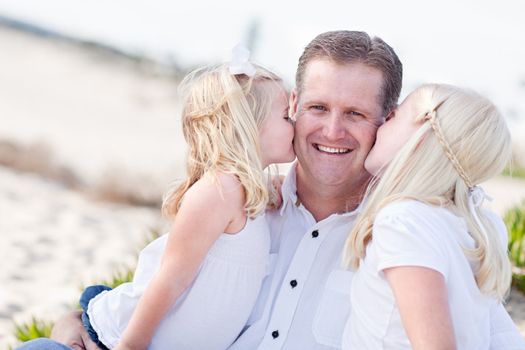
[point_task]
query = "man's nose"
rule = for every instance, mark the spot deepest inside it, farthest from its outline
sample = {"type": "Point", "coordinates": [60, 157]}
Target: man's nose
{"type": "Point", "coordinates": [334, 128]}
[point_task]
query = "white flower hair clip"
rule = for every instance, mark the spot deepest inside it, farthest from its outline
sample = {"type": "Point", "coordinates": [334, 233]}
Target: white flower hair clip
{"type": "Point", "coordinates": [240, 61]}
{"type": "Point", "coordinates": [476, 196]}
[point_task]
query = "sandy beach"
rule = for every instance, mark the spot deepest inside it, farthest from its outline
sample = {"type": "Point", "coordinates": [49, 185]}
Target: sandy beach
{"type": "Point", "coordinates": [92, 133]}
{"type": "Point", "coordinates": [77, 127]}
{"type": "Point", "coordinates": [54, 241]}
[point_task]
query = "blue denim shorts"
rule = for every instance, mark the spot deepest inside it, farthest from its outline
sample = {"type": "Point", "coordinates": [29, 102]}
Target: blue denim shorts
{"type": "Point", "coordinates": [88, 294]}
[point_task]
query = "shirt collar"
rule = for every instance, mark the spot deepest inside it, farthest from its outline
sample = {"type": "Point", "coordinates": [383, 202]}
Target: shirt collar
{"type": "Point", "coordinates": [289, 195]}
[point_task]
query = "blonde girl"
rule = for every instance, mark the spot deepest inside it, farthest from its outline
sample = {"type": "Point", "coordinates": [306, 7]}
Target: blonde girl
{"type": "Point", "coordinates": [194, 288]}
{"type": "Point", "coordinates": [430, 262]}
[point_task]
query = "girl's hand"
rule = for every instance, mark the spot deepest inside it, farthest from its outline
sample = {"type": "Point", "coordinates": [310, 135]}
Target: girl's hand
{"type": "Point", "coordinates": [276, 198]}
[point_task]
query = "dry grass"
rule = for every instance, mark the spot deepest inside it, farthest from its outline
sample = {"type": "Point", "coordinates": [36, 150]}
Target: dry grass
{"type": "Point", "coordinates": [37, 158]}
{"type": "Point", "coordinates": [135, 190]}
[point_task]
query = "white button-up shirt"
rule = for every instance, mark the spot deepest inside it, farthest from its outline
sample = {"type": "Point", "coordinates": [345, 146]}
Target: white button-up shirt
{"type": "Point", "coordinates": [305, 301]}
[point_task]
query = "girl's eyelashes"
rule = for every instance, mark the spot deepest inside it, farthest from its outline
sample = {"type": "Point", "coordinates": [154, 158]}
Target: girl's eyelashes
{"type": "Point", "coordinates": [288, 119]}
{"type": "Point", "coordinates": [318, 107]}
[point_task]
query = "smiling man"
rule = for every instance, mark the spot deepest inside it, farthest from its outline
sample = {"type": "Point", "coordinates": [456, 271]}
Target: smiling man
{"type": "Point", "coordinates": [346, 84]}
{"type": "Point", "coordinates": [338, 109]}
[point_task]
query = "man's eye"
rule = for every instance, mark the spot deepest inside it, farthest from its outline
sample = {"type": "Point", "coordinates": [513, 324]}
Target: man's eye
{"type": "Point", "coordinates": [319, 108]}
{"type": "Point", "coordinates": [355, 114]}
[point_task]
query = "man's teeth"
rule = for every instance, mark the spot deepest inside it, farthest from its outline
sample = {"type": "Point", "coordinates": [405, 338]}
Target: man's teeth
{"type": "Point", "coordinates": [333, 150]}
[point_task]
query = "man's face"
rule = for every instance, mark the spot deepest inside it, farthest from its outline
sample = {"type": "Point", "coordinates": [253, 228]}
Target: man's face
{"type": "Point", "coordinates": [337, 115]}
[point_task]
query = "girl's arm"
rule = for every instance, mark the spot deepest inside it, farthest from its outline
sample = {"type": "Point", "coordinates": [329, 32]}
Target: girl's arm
{"type": "Point", "coordinates": [421, 296]}
{"type": "Point", "coordinates": [206, 213]}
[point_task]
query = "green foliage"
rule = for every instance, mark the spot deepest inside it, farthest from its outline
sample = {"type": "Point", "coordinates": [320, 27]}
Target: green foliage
{"type": "Point", "coordinates": [515, 221]}
{"type": "Point", "coordinates": [119, 277]}
{"type": "Point", "coordinates": [36, 328]}
{"type": "Point", "coordinates": [518, 281]}
{"type": "Point", "coordinates": [514, 172]}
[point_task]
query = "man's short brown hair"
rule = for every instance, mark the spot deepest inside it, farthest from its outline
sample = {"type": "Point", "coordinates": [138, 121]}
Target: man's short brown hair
{"type": "Point", "coordinates": [346, 46]}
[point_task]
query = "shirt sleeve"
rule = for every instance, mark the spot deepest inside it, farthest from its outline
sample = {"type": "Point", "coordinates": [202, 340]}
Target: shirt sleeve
{"type": "Point", "coordinates": [400, 238]}
{"type": "Point", "coordinates": [503, 333]}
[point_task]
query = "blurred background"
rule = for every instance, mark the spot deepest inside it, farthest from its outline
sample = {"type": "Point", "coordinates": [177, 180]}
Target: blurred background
{"type": "Point", "coordinates": [89, 124]}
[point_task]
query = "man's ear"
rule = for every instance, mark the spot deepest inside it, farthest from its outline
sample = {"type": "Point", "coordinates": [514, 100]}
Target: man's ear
{"type": "Point", "coordinates": [293, 105]}
{"type": "Point", "coordinates": [390, 114]}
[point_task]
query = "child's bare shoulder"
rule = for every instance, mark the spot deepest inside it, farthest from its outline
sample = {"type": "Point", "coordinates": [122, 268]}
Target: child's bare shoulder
{"type": "Point", "coordinates": [216, 188]}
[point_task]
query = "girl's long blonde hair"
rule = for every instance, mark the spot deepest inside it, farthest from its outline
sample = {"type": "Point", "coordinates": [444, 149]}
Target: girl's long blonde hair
{"type": "Point", "coordinates": [462, 142]}
{"type": "Point", "coordinates": [221, 117]}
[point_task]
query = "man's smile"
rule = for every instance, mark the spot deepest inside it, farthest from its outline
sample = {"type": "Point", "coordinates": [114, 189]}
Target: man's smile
{"type": "Point", "coordinates": [331, 150]}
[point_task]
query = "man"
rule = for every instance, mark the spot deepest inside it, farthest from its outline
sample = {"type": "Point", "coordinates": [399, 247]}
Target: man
{"type": "Point", "coordinates": [346, 85]}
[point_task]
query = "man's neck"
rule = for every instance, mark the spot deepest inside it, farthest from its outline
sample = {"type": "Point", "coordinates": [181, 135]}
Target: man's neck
{"type": "Point", "coordinates": [324, 200]}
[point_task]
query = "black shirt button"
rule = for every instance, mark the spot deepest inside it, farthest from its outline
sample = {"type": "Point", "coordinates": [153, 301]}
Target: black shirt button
{"type": "Point", "coordinates": [275, 334]}
{"type": "Point", "coordinates": [293, 283]}
{"type": "Point", "coordinates": [315, 233]}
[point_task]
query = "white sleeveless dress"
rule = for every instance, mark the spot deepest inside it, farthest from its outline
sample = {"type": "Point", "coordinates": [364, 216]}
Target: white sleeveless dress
{"type": "Point", "coordinates": [212, 312]}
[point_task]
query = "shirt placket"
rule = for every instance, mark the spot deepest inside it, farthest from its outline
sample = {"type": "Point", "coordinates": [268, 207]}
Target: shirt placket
{"type": "Point", "coordinates": [292, 288]}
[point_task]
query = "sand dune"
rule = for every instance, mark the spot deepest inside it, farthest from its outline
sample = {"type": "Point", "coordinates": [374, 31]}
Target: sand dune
{"type": "Point", "coordinates": [104, 117]}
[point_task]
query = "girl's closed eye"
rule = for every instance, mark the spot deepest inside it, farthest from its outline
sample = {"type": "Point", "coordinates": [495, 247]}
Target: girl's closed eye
{"type": "Point", "coordinates": [288, 118]}
{"type": "Point", "coordinates": [319, 108]}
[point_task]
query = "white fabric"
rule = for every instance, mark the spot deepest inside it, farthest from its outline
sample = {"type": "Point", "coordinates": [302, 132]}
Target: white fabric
{"type": "Point", "coordinates": [411, 233]}
{"type": "Point", "coordinates": [503, 333]}
{"type": "Point", "coordinates": [476, 196]}
{"type": "Point", "coordinates": [212, 311]}
{"type": "Point", "coordinates": [312, 315]}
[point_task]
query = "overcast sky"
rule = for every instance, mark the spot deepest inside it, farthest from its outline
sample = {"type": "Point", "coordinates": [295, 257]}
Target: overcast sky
{"type": "Point", "coordinates": [479, 44]}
